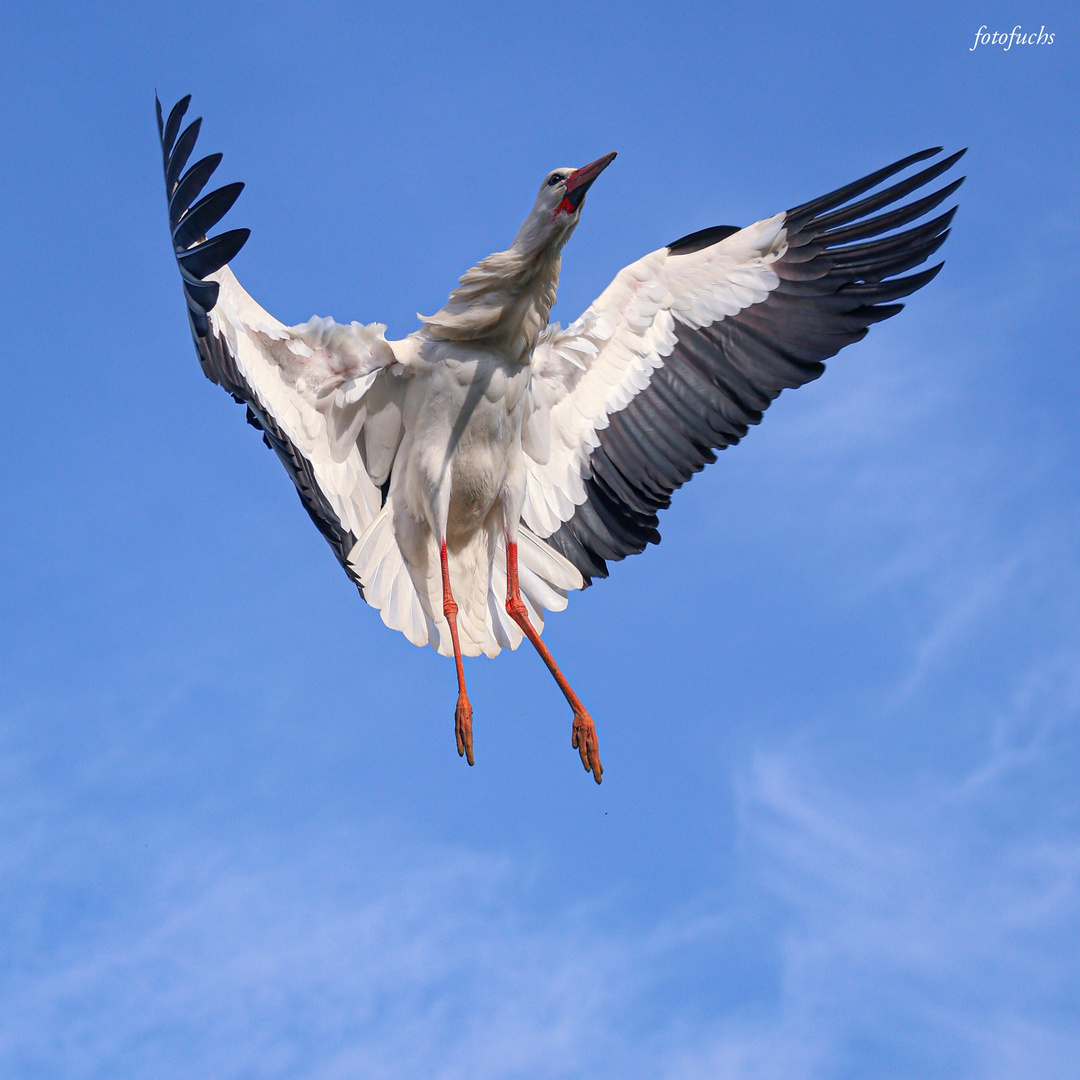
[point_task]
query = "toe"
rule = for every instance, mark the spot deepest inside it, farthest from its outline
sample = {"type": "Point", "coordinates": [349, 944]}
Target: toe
{"type": "Point", "coordinates": [463, 729]}
{"type": "Point", "coordinates": [585, 742]}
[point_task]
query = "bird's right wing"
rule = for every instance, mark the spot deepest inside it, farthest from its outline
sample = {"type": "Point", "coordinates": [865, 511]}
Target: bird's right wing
{"type": "Point", "coordinates": [689, 345]}
{"type": "Point", "coordinates": [310, 388]}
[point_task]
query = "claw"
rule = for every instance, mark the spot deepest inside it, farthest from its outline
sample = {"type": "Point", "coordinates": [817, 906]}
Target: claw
{"type": "Point", "coordinates": [463, 729]}
{"type": "Point", "coordinates": [584, 741]}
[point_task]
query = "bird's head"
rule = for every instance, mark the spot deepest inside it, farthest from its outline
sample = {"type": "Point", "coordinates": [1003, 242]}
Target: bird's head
{"type": "Point", "coordinates": [557, 209]}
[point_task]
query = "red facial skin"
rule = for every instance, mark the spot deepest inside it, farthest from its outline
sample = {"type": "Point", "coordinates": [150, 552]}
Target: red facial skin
{"type": "Point", "coordinates": [564, 207]}
{"type": "Point", "coordinates": [581, 178]}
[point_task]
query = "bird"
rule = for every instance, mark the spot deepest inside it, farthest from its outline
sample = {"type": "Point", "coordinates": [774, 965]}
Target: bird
{"type": "Point", "coordinates": [471, 475]}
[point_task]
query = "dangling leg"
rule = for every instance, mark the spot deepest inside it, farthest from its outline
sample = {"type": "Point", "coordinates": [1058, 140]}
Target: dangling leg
{"type": "Point", "coordinates": [463, 715]}
{"type": "Point", "coordinates": [584, 731]}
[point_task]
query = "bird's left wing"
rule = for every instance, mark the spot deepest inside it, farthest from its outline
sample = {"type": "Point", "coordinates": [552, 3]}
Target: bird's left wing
{"type": "Point", "coordinates": [690, 344]}
{"type": "Point", "coordinates": [306, 387]}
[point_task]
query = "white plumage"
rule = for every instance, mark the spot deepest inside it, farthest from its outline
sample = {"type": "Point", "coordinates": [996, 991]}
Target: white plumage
{"type": "Point", "coordinates": [473, 474]}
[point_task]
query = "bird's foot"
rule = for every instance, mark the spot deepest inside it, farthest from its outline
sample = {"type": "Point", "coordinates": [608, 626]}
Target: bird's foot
{"type": "Point", "coordinates": [463, 728]}
{"type": "Point", "coordinates": [584, 742]}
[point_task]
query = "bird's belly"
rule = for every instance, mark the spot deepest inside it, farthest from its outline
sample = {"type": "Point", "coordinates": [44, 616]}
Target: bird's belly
{"type": "Point", "coordinates": [479, 467]}
{"type": "Point", "coordinates": [469, 433]}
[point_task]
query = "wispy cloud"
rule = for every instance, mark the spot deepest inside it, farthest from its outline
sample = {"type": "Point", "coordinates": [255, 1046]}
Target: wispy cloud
{"type": "Point", "coordinates": [356, 959]}
{"type": "Point", "coordinates": [907, 934]}
{"type": "Point", "coordinates": [910, 943]}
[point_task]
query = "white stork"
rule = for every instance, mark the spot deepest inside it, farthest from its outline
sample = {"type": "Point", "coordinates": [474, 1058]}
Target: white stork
{"type": "Point", "coordinates": [473, 473]}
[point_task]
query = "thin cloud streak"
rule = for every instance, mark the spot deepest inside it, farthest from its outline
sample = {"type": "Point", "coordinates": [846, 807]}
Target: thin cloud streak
{"type": "Point", "coordinates": [405, 964]}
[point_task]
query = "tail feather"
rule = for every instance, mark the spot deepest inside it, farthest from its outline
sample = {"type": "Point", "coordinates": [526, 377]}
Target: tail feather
{"type": "Point", "coordinates": [376, 560]}
{"type": "Point", "coordinates": [409, 598]}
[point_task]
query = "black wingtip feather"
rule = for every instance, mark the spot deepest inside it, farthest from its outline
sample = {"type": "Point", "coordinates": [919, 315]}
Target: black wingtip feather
{"type": "Point", "coordinates": [815, 225]}
{"type": "Point", "coordinates": [857, 187]}
{"type": "Point", "coordinates": [196, 254]}
{"type": "Point", "coordinates": [882, 292]}
{"type": "Point", "coordinates": [213, 254]}
{"type": "Point", "coordinates": [203, 294]}
{"type": "Point", "coordinates": [172, 125]}
{"type": "Point", "coordinates": [205, 214]}
{"type": "Point", "coordinates": [894, 219]}
{"type": "Point", "coordinates": [190, 186]}
{"type": "Point", "coordinates": [851, 255]}
{"type": "Point", "coordinates": [181, 152]}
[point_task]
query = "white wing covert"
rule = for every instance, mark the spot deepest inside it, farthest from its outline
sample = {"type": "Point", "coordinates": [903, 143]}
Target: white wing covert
{"type": "Point", "coordinates": [689, 345]}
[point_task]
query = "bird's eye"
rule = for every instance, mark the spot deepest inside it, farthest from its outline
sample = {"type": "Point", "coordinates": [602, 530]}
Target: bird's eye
{"type": "Point", "coordinates": [553, 180]}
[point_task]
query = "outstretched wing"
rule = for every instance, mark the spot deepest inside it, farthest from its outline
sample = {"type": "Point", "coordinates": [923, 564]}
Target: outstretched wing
{"type": "Point", "coordinates": [306, 387]}
{"type": "Point", "coordinates": [689, 345]}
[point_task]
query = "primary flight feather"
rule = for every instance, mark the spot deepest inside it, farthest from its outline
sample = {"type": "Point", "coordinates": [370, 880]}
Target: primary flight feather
{"type": "Point", "coordinates": [471, 475]}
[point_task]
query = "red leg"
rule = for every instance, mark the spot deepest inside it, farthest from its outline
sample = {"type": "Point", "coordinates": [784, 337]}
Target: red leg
{"type": "Point", "coordinates": [584, 731]}
{"type": "Point", "coordinates": [463, 714]}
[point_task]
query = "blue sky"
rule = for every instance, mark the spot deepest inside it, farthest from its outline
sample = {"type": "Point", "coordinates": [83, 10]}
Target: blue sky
{"type": "Point", "coordinates": [839, 830]}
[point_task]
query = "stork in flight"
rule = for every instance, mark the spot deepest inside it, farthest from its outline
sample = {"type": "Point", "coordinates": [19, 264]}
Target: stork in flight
{"type": "Point", "coordinates": [473, 473]}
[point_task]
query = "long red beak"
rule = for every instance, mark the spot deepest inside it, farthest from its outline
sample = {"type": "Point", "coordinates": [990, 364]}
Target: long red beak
{"type": "Point", "coordinates": [579, 181]}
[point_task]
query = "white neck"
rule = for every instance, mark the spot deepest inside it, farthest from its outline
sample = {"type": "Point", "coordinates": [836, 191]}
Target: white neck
{"type": "Point", "coordinates": [505, 300]}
